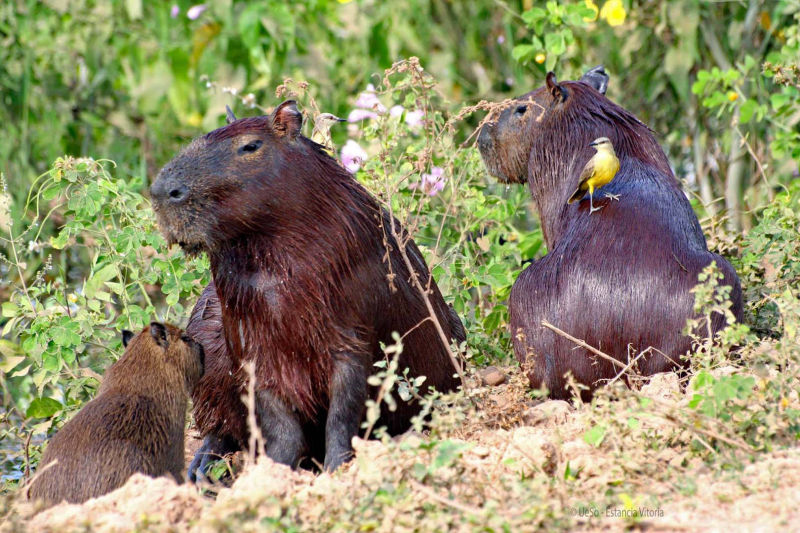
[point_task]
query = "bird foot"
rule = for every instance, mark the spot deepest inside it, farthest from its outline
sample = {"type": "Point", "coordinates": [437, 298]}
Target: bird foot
{"type": "Point", "coordinates": [612, 196]}
{"type": "Point", "coordinates": [593, 209]}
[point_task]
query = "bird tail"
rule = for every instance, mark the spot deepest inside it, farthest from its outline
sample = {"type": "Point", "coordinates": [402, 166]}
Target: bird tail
{"type": "Point", "coordinates": [577, 195]}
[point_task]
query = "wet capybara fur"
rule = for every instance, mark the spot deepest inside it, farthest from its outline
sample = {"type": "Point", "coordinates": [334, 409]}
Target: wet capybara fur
{"type": "Point", "coordinates": [307, 282]}
{"type": "Point", "coordinates": [619, 278]}
{"type": "Point", "coordinates": [134, 424]}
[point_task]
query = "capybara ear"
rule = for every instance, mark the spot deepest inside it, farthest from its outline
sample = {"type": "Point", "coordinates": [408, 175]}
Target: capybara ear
{"type": "Point", "coordinates": [159, 334]}
{"type": "Point", "coordinates": [596, 77]}
{"type": "Point", "coordinates": [559, 93]}
{"type": "Point", "coordinates": [126, 337]}
{"type": "Point", "coordinates": [229, 116]}
{"type": "Point", "coordinates": [286, 119]}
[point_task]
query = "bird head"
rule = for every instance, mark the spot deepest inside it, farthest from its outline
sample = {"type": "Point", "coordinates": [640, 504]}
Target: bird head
{"type": "Point", "coordinates": [601, 142]}
{"type": "Point", "coordinates": [328, 119]}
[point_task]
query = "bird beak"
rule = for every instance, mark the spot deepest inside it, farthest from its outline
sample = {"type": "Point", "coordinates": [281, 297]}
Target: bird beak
{"type": "Point", "coordinates": [592, 143]}
{"type": "Point", "coordinates": [341, 119]}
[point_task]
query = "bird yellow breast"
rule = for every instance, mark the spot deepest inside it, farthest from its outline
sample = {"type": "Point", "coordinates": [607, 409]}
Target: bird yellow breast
{"type": "Point", "coordinates": [606, 166]}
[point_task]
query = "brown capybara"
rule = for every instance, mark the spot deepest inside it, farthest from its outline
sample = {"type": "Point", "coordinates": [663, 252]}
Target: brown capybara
{"type": "Point", "coordinates": [618, 278]}
{"type": "Point", "coordinates": [134, 424]}
{"type": "Point", "coordinates": [308, 282]}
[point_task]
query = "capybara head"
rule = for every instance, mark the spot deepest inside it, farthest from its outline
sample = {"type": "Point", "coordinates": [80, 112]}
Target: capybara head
{"type": "Point", "coordinates": [235, 179]}
{"type": "Point", "coordinates": [557, 122]}
{"type": "Point", "coordinates": [169, 346]}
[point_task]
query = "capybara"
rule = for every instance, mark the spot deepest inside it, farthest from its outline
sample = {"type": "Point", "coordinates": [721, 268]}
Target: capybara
{"type": "Point", "coordinates": [308, 281]}
{"type": "Point", "coordinates": [134, 424]}
{"type": "Point", "coordinates": [618, 279]}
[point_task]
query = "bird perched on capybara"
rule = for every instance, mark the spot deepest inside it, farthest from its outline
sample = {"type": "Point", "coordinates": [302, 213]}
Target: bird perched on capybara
{"type": "Point", "coordinates": [134, 424]}
{"type": "Point", "coordinates": [618, 278]}
{"type": "Point", "coordinates": [308, 281]}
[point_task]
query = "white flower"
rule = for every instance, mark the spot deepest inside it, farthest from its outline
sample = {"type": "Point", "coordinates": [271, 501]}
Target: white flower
{"type": "Point", "coordinates": [194, 12]}
{"type": "Point", "coordinates": [369, 100]}
{"type": "Point", "coordinates": [357, 115]}
{"type": "Point", "coordinates": [353, 156]}
{"type": "Point", "coordinates": [414, 117]}
{"type": "Point", "coordinates": [431, 183]}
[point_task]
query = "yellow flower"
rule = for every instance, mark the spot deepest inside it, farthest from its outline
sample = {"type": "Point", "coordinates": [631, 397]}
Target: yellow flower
{"type": "Point", "coordinates": [591, 5]}
{"type": "Point", "coordinates": [613, 12]}
{"type": "Point", "coordinates": [540, 57]}
{"type": "Point", "coordinates": [732, 96]}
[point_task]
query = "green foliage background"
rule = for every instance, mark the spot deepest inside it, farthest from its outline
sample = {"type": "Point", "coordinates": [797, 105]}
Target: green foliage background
{"type": "Point", "coordinates": [127, 84]}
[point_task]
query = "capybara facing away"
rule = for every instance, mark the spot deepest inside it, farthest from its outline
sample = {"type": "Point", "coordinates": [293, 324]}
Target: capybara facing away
{"type": "Point", "coordinates": [617, 278]}
{"type": "Point", "coordinates": [134, 424]}
{"type": "Point", "coordinates": [307, 282]}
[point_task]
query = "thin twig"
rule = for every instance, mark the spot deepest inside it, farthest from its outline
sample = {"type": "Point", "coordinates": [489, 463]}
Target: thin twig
{"type": "Point", "coordinates": [583, 344]}
{"type": "Point", "coordinates": [28, 456]}
{"type": "Point", "coordinates": [441, 499]}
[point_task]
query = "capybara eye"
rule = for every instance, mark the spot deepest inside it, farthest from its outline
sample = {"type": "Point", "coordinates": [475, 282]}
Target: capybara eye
{"type": "Point", "coordinates": [521, 110]}
{"type": "Point", "coordinates": [250, 147]}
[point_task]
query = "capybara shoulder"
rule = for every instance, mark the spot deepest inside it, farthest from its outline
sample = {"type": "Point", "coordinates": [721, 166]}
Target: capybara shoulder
{"type": "Point", "coordinates": [134, 424]}
{"type": "Point", "coordinates": [619, 278]}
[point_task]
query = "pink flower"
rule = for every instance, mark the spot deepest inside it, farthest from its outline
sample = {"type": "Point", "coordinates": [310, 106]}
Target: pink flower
{"type": "Point", "coordinates": [369, 100]}
{"type": "Point", "coordinates": [431, 183]}
{"type": "Point", "coordinates": [414, 118]}
{"type": "Point", "coordinates": [174, 11]}
{"type": "Point", "coordinates": [195, 11]}
{"type": "Point", "coordinates": [396, 111]}
{"type": "Point", "coordinates": [357, 115]}
{"type": "Point", "coordinates": [501, 39]}
{"type": "Point", "coordinates": [353, 156]}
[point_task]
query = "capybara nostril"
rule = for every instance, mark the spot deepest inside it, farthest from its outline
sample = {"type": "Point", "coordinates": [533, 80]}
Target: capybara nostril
{"type": "Point", "coordinates": [177, 193]}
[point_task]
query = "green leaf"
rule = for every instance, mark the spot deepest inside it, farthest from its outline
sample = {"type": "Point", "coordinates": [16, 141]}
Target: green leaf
{"type": "Point", "coordinates": [10, 309]}
{"type": "Point", "coordinates": [523, 52]}
{"type": "Point", "coordinates": [595, 435]}
{"type": "Point", "coordinates": [134, 9]}
{"type": "Point", "coordinates": [533, 15]}
{"type": "Point", "coordinates": [94, 283]}
{"type": "Point", "coordinates": [749, 107]}
{"type": "Point", "coordinates": [554, 43]}
{"type": "Point", "coordinates": [43, 408]}
{"type": "Point", "coordinates": [449, 451]}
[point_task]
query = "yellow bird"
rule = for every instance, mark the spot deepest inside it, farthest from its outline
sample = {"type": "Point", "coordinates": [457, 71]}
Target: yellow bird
{"type": "Point", "coordinates": [322, 130]}
{"type": "Point", "coordinates": [599, 171]}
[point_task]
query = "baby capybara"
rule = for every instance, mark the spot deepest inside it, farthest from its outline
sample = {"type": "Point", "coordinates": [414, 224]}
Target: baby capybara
{"type": "Point", "coordinates": [308, 282]}
{"type": "Point", "coordinates": [619, 278]}
{"type": "Point", "coordinates": [135, 424]}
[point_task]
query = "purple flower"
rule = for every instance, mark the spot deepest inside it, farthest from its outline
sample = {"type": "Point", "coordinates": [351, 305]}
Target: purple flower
{"type": "Point", "coordinates": [357, 115]}
{"type": "Point", "coordinates": [396, 111]}
{"type": "Point", "coordinates": [431, 183]}
{"type": "Point", "coordinates": [174, 11]}
{"type": "Point", "coordinates": [501, 39]}
{"type": "Point", "coordinates": [353, 156]}
{"type": "Point", "coordinates": [414, 118]}
{"type": "Point", "coordinates": [195, 11]}
{"type": "Point", "coordinates": [369, 100]}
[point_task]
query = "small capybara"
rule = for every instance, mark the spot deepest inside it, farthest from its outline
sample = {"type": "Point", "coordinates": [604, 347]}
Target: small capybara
{"type": "Point", "coordinates": [619, 278]}
{"type": "Point", "coordinates": [135, 424]}
{"type": "Point", "coordinates": [308, 281]}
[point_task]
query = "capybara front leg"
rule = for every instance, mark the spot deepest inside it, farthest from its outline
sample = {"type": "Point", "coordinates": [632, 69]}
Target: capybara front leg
{"type": "Point", "coordinates": [213, 449]}
{"type": "Point", "coordinates": [285, 442]}
{"type": "Point", "coordinates": [348, 394]}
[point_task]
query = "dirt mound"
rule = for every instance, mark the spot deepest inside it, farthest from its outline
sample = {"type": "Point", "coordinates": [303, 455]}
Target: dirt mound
{"type": "Point", "coordinates": [516, 463]}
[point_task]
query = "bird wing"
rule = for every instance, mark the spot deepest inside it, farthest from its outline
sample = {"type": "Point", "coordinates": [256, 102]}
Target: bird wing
{"type": "Point", "coordinates": [588, 172]}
